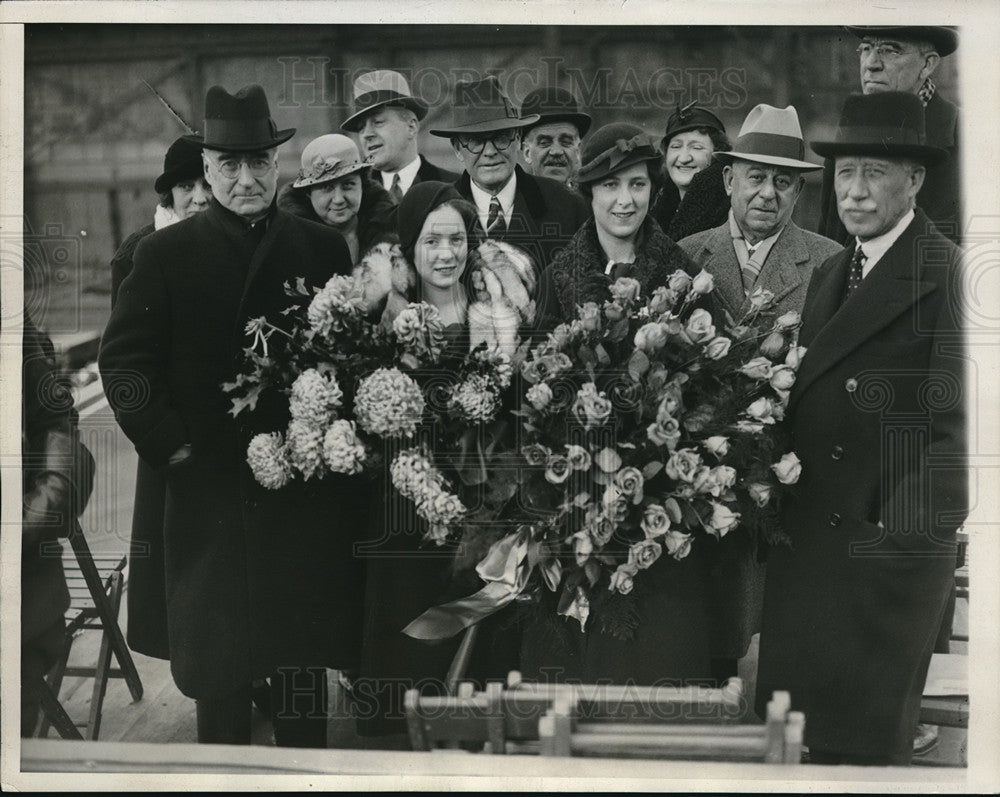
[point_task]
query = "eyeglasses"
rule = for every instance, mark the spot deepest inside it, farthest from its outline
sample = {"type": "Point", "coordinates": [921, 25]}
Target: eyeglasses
{"type": "Point", "coordinates": [885, 50]}
{"type": "Point", "coordinates": [500, 141]}
{"type": "Point", "coordinates": [230, 168]}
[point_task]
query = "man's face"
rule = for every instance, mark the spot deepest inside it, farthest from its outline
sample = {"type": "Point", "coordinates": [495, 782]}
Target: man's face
{"type": "Point", "coordinates": [488, 158]}
{"type": "Point", "coordinates": [553, 150]}
{"type": "Point", "coordinates": [895, 64]}
{"type": "Point", "coordinates": [873, 194]}
{"type": "Point", "coordinates": [388, 138]}
{"type": "Point", "coordinates": [244, 183]}
{"type": "Point", "coordinates": [762, 196]}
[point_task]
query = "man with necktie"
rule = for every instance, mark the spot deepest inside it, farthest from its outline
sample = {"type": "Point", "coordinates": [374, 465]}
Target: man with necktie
{"type": "Point", "coordinates": [852, 608]}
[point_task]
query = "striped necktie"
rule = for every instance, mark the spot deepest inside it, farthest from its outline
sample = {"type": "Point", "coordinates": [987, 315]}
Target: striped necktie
{"type": "Point", "coordinates": [396, 191]}
{"type": "Point", "coordinates": [752, 269]}
{"type": "Point", "coordinates": [856, 272]}
{"type": "Point", "coordinates": [496, 224]}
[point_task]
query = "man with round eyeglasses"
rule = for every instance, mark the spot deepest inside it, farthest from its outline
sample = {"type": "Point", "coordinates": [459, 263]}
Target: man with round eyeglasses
{"type": "Point", "coordinates": [534, 213]}
{"type": "Point", "coordinates": [903, 58]}
{"type": "Point", "coordinates": [257, 584]}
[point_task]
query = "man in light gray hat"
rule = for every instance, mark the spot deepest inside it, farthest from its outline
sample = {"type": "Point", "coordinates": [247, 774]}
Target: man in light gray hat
{"type": "Point", "coordinates": [386, 120]}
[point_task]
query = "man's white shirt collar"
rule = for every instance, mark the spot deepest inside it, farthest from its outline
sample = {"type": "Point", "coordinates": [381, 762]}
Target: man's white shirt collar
{"type": "Point", "coordinates": [505, 195]}
{"type": "Point", "coordinates": [875, 248]}
{"type": "Point", "coordinates": [406, 175]}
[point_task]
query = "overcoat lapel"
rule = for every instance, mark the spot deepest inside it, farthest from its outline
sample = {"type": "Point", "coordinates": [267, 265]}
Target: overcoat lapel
{"type": "Point", "coordinates": [780, 273]}
{"type": "Point", "coordinates": [886, 293]}
{"type": "Point", "coordinates": [257, 263]}
{"type": "Point", "coordinates": [723, 265]}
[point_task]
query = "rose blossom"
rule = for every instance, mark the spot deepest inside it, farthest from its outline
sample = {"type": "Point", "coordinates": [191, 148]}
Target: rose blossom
{"type": "Point", "coordinates": [788, 469]}
{"type": "Point", "coordinates": [758, 368]}
{"type": "Point", "coordinates": [608, 460]}
{"type": "Point", "coordinates": [698, 419]}
{"type": "Point", "coordinates": [560, 336]}
{"type": "Point", "coordinates": [683, 464]}
{"type": "Point", "coordinates": [703, 282]}
{"type": "Point", "coordinates": [760, 493]}
{"type": "Point", "coordinates": [794, 357]}
{"type": "Point", "coordinates": [591, 408]}
{"type": "Point", "coordinates": [655, 521]}
{"type": "Point", "coordinates": [678, 543]}
{"type": "Point", "coordinates": [782, 377]}
{"type": "Point", "coordinates": [613, 311]}
{"type": "Point", "coordinates": [764, 410]}
{"type": "Point", "coordinates": [650, 337]}
{"type": "Point", "coordinates": [772, 345]}
{"type": "Point", "coordinates": [722, 478]}
{"type": "Point", "coordinates": [622, 579]}
{"type": "Point", "coordinates": [661, 301]}
{"type": "Point", "coordinates": [536, 454]}
{"type": "Point", "coordinates": [643, 553]}
{"type": "Point", "coordinates": [629, 480]}
{"type": "Point", "coordinates": [723, 519]}
{"type": "Point", "coordinates": [539, 396]}
{"type": "Point", "coordinates": [699, 326]}
{"type": "Point", "coordinates": [680, 281]}
{"type": "Point", "coordinates": [718, 445]}
{"type": "Point", "coordinates": [717, 348]}
{"type": "Point", "coordinates": [615, 504]}
{"type": "Point", "coordinates": [557, 469]}
{"type": "Point", "coordinates": [625, 289]}
{"type": "Point", "coordinates": [789, 320]}
{"type": "Point", "coordinates": [761, 298]}
{"type": "Point", "coordinates": [599, 525]}
{"type": "Point", "coordinates": [668, 407]}
{"type": "Point", "coordinates": [590, 316]}
{"type": "Point", "coordinates": [582, 546]}
{"type": "Point", "coordinates": [664, 433]}
{"type": "Point", "coordinates": [579, 457]}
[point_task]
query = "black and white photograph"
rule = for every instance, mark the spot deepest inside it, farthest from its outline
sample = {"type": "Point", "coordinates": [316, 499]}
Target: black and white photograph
{"type": "Point", "coordinates": [511, 396]}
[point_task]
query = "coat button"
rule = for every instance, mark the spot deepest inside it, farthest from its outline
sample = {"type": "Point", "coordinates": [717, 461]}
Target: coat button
{"type": "Point", "coordinates": [834, 519]}
{"type": "Point", "coordinates": [837, 452]}
{"type": "Point", "coordinates": [851, 385]}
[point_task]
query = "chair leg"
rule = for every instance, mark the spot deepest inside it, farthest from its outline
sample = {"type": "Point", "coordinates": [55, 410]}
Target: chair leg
{"type": "Point", "coordinates": [114, 595]}
{"type": "Point", "coordinates": [54, 712]}
{"type": "Point", "coordinates": [54, 683]}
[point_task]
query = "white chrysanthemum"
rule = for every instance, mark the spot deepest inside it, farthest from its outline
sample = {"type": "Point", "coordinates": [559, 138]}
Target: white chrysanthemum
{"type": "Point", "coordinates": [474, 399]}
{"type": "Point", "coordinates": [419, 330]}
{"type": "Point", "coordinates": [342, 450]}
{"type": "Point", "coordinates": [332, 305]}
{"type": "Point", "coordinates": [442, 508]}
{"type": "Point", "coordinates": [413, 475]}
{"type": "Point", "coordinates": [502, 368]}
{"type": "Point", "coordinates": [315, 398]}
{"type": "Point", "coordinates": [267, 458]}
{"type": "Point", "coordinates": [305, 448]}
{"type": "Point", "coordinates": [389, 403]}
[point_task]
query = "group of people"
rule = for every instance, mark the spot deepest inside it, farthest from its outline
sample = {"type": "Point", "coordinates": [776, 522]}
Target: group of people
{"type": "Point", "coordinates": [240, 586]}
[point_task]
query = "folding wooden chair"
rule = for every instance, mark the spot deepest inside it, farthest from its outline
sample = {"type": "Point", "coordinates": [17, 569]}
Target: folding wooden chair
{"type": "Point", "coordinates": [95, 587]}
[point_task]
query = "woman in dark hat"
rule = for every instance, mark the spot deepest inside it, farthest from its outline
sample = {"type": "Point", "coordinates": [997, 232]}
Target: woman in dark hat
{"type": "Point", "coordinates": [619, 176]}
{"type": "Point", "coordinates": [693, 197]}
{"type": "Point", "coordinates": [183, 192]}
{"type": "Point", "coordinates": [334, 188]}
{"type": "Point", "coordinates": [671, 641]}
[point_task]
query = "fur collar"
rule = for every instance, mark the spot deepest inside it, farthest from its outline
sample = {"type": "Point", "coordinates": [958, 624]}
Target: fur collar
{"type": "Point", "coordinates": [705, 204]}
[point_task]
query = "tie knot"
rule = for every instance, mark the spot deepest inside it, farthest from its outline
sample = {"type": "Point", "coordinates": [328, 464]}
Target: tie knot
{"type": "Point", "coordinates": [860, 256]}
{"type": "Point", "coordinates": [395, 179]}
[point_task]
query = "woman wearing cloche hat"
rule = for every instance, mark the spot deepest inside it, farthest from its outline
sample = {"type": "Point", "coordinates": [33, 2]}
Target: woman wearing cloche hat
{"type": "Point", "coordinates": [334, 188]}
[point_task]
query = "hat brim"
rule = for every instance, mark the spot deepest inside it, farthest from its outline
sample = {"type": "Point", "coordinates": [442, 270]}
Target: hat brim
{"type": "Point", "coordinates": [919, 152]}
{"type": "Point", "coordinates": [581, 121]}
{"type": "Point", "coordinates": [353, 123]}
{"type": "Point", "coordinates": [489, 126]}
{"type": "Point", "coordinates": [945, 41]}
{"type": "Point", "coordinates": [254, 146]}
{"type": "Point", "coordinates": [173, 177]}
{"type": "Point", "coordinates": [310, 182]}
{"type": "Point", "coordinates": [585, 179]}
{"type": "Point", "coordinates": [771, 160]}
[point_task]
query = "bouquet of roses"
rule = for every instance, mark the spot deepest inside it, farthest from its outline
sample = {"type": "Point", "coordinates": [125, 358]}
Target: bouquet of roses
{"type": "Point", "coordinates": [354, 381]}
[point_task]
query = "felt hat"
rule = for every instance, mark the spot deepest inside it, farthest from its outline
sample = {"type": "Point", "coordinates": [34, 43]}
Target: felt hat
{"type": "Point", "coordinates": [239, 122]}
{"type": "Point", "coordinates": [943, 37]}
{"type": "Point", "coordinates": [181, 163]}
{"type": "Point", "coordinates": [773, 136]}
{"type": "Point", "coordinates": [416, 205]}
{"type": "Point", "coordinates": [612, 148]}
{"type": "Point", "coordinates": [328, 158]}
{"type": "Point", "coordinates": [378, 89]}
{"type": "Point", "coordinates": [480, 106]}
{"type": "Point", "coordinates": [552, 104]}
{"type": "Point", "coordinates": [690, 117]}
{"type": "Point", "coordinates": [887, 124]}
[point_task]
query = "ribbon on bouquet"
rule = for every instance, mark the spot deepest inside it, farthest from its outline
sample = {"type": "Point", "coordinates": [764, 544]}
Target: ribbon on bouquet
{"type": "Point", "coordinates": [505, 569]}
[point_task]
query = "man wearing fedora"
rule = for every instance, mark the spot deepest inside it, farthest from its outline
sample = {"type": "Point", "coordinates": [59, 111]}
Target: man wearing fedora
{"type": "Point", "coordinates": [903, 58]}
{"type": "Point", "coordinates": [852, 607]}
{"type": "Point", "coordinates": [259, 584]}
{"type": "Point", "coordinates": [551, 146]}
{"type": "Point", "coordinates": [757, 247]}
{"type": "Point", "coordinates": [533, 213]}
{"type": "Point", "coordinates": [386, 119]}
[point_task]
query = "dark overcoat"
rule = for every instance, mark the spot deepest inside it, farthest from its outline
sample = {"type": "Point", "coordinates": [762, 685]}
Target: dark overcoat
{"type": "Point", "coordinates": [254, 579]}
{"type": "Point", "coordinates": [428, 171]}
{"type": "Point", "coordinates": [852, 608]}
{"type": "Point", "coordinates": [941, 195]}
{"type": "Point", "coordinates": [546, 215]}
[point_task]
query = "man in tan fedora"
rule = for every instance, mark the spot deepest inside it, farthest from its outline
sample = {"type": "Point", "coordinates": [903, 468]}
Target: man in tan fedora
{"type": "Point", "coordinates": [386, 119]}
{"type": "Point", "coordinates": [533, 213]}
{"type": "Point", "coordinates": [258, 583]}
{"type": "Point", "coordinates": [903, 58]}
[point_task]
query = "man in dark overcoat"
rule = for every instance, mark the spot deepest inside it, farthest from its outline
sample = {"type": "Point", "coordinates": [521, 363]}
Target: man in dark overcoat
{"type": "Point", "coordinates": [536, 214]}
{"type": "Point", "coordinates": [258, 583]}
{"type": "Point", "coordinates": [903, 58]}
{"type": "Point", "coordinates": [852, 608]}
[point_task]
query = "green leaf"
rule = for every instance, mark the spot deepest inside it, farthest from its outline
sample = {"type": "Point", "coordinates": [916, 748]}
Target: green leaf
{"type": "Point", "coordinates": [638, 364]}
{"type": "Point", "coordinates": [587, 356]}
{"type": "Point", "coordinates": [651, 469]}
{"type": "Point", "coordinates": [602, 355]}
{"type": "Point", "coordinates": [248, 402]}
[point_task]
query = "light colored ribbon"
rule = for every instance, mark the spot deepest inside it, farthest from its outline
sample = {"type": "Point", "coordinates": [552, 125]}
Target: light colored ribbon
{"type": "Point", "coordinates": [505, 569]}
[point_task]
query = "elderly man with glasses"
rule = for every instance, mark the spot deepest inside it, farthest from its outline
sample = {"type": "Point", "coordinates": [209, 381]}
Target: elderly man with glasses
{"type": "Point", "coordinates": [903, 58]}
{"type": "Point", "coordinates": [537, 214]}
{"type": "Point", "coordinates": [258, 583]}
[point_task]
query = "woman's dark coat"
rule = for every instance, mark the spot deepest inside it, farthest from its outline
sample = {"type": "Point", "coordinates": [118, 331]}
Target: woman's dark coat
{"type": "Point", "coordinates": [255, 579]}
{"type": "Point", "coordinates": [705, 204]}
